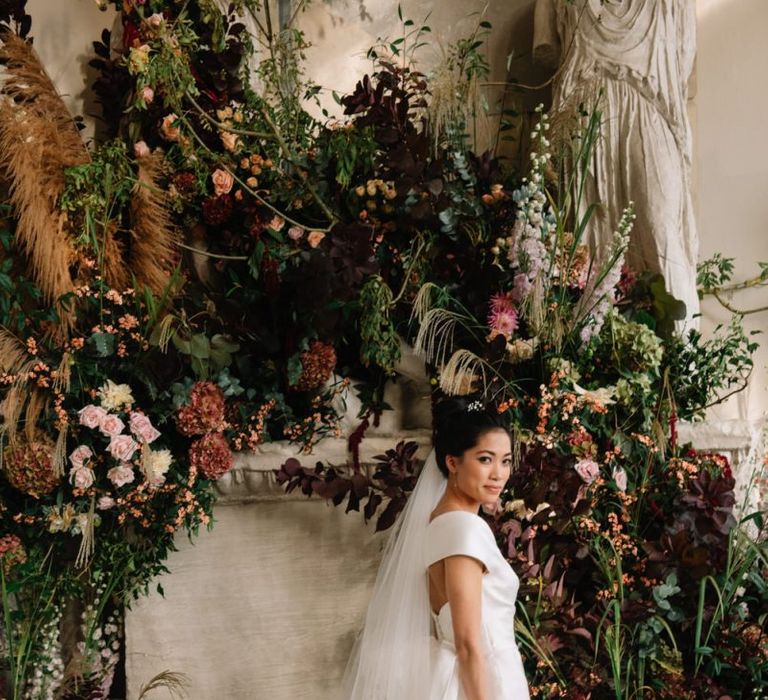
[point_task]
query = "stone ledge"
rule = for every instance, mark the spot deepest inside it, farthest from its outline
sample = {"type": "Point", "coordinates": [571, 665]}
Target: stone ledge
{"type": "Point", "coordinates": [252, 477]}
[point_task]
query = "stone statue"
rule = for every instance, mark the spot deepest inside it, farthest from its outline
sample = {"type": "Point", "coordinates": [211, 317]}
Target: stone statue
{"type": "Point", "coordinates": [641, 53]}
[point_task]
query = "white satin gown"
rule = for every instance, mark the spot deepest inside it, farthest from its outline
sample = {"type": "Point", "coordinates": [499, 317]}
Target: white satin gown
{"type": "Point", "coordinates": [460, 532]}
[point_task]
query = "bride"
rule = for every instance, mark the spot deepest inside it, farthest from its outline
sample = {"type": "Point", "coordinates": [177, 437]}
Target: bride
{"type": "Point", "coordinates": [440, 624]}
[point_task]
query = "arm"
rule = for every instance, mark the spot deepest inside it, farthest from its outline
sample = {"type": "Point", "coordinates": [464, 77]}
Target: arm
{"type": "Point", "coordinates": [464, 587]}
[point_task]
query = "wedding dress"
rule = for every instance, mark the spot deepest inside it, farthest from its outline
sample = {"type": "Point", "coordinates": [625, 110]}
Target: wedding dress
{"type": "Point", "coordinates": [460, 532]}
{"type": "Point", "coordinates": [405, 651]}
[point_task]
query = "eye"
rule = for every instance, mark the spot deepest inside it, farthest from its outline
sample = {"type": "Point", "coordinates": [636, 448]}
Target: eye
{"type": "Point", "coordinates": [485, 459]}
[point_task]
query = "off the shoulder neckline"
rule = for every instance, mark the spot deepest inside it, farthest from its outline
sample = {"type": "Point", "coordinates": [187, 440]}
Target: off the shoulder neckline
{"type": "Point", "coordinates": [456, 510]}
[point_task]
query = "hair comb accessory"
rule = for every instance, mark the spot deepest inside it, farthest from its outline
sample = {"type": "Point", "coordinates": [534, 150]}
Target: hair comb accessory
{"type": "Point", "coordinates": [475, 406]}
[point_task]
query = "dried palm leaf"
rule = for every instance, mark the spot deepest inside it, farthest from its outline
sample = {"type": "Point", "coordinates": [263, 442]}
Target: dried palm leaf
{"type": "Point", "coordinates": [38, 141]}
{"type": "Point", "coordinates": [435, 338]}
{"type": "Point", "coordinates": [175, 683]}
{"type": "Point", "coordinates": [115, 271]}
{"type": "Point", "coordinates": [423, 302]}
{"type": "Point", "coordinates": [154, 237]}
{"type": "Point", "coordinates": [13, 353]}
{"type": "Point", "coordinates": [460, 375]}
{"type": "Point", "coordinates": [36, 405]}
{"type": "Point", "coordinates": [15, 361]}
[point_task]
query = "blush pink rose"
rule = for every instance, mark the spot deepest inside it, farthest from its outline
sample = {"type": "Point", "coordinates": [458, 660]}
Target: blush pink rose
{"type": "Point", "coordinates": [122, 447]}
{"type": "Point", "coordinates": [81, 478]}
{"type": "Point", "coordinates": [620, 477]}
{"type": "Point", "coordinates": [295, 233]}
{"type": "Point", "coordinates": [588, 470]}
{"type": "Point", "coordinates": [111, 425]}
{"type": "Point", "coordinates": [79, 455]}
{"type": "Point", "coordinates": [222, 181]}
{"type": "Point", "coordinates": [142, 427]}
{"type": "Point", "coordinates": [156, 20]}
{"type": "Point", "coordinates": [147, 94]}
{"type": "Point", "coordinates": [105, 503]}
{"type": "Point", "coordinates": [140, 149]}
{"type": "Point", "coordinates": [314, 238]}
{"type": "Point", "coordinates": [91, 415]}
{"type": "Point", "coordinates": [121, 475]}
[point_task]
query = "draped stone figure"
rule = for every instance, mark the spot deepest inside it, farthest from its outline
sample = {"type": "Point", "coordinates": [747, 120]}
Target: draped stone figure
{"type": "Point", "coordinates": [641, 53]}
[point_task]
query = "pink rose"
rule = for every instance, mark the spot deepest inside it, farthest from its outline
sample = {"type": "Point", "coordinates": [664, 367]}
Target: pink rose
{"type": "Point", "coordinates": [142, 427]}
{"type": "Point", "coordinates": [222, 181]}
{"type": "Point", "coordinates": [121, 475]}
{"type": "Point", "coordinates": [168, 130]}
{"type": "Point", "coordinates": [157, 481]}
{"type": "Point", "coordinates": [81, 477]}
{"type": "Point", "coordinates": [111, 425]}
{"type": "Point", "coordinates": [105, 503]}
{"type": "Point", "coordinates": [91, 415]}
{"type": "Point", "coordinates": [140, 149]}
{"type": "Point", "coordinates": [122, 447]}
{"type": "Point", "coordinates": [620, 477]}
{"type": "Point", "coordinates": [79, 455]}
{"type": "Point", "coordinates": [147, 94]}
{"type": "Point", "coordinates": [295, 233]}
{"type": "Point", "coordinates": [314, 238]}
{"type": "Point", "coordinates": [156, 20]}
{"type": "Point", "coordinates": [588, 470]}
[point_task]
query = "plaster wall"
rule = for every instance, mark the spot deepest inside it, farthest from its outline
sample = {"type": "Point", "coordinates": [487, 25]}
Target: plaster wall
{"type": "Point", "coordinates": [266, 604]}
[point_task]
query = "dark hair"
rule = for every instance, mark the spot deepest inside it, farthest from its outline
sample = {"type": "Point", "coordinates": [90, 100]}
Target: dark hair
{"type": "Point", "coordinates": [459, 423]}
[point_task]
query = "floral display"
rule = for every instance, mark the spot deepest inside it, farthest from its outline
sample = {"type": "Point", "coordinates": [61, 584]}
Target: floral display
{"type": "Point", "coordinates": [222, 267]}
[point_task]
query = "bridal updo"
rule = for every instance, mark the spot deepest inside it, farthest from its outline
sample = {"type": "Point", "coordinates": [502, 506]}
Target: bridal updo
{"type": "Point", "coordinates": [459, 423]}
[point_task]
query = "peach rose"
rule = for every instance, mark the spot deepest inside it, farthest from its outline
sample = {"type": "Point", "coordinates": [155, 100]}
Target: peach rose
{"type": "Point", "coordinates": [168, 130]}
{"type": "Point", "coordinates": [222, 181]}
{"type": "Point", "coordinates": [91, 415]}
{"type": "Point", "coordinates": [230, 141]}
{"type": "Point", "coordinates": [314, 238]}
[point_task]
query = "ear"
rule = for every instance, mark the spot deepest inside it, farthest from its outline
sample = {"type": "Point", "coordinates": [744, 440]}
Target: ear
{"type": "Point", "coordinates": [450, 462]}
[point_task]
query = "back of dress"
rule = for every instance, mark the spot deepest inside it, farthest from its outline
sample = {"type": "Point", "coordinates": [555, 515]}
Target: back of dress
{"type": "Point", "coordinates": [461, 533]}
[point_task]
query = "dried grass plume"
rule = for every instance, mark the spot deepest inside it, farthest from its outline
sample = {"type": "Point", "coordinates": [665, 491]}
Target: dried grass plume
{"type": "Point", "coordinates": [38, 141]}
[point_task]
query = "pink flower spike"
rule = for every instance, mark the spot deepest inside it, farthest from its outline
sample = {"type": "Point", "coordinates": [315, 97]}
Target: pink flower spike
{"type": "Point", "coordinates": [503, 316]}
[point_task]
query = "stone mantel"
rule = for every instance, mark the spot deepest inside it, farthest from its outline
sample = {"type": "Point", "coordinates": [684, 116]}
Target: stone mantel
{"type": "Point", "coordinates": [252, 478]}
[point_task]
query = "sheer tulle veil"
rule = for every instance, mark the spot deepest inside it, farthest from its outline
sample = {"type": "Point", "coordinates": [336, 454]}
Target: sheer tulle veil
{"type": "Point", "coordinates": [391, 656]}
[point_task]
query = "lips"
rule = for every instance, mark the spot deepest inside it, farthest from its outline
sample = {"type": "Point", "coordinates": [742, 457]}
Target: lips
{"type": "Point", "coordinates": [494, 489]}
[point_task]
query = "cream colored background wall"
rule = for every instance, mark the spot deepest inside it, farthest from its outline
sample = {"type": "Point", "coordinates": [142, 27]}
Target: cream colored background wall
{"type": "Point", "coordinates": [243, 615]}
{"type": "Point", "coordinates": [731, 164]}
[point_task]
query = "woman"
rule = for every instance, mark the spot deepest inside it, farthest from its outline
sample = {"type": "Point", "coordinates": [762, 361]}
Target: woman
{"type": "Point", "coordinates": [440, 624]}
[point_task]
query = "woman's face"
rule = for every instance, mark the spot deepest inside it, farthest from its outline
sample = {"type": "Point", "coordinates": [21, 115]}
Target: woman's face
{"type": "Point", "coordinates": [483, 470]}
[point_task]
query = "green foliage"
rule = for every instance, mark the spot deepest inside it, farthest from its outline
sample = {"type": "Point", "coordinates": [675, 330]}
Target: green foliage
{"type": "Point", "coordinates": [703, 372]}
{"type": "Point", "coordinates": [380, 343]}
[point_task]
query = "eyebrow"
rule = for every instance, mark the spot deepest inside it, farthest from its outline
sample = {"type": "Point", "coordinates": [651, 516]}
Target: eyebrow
{"type": "Point", "coordinates": [491, 452]}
